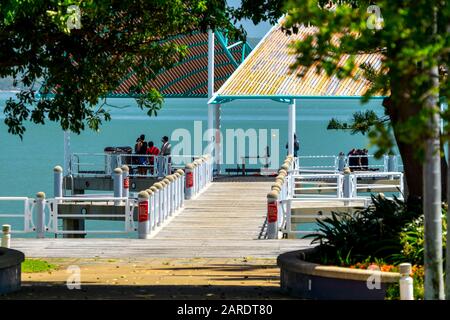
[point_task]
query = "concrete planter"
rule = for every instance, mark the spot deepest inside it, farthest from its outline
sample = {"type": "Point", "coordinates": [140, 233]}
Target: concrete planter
{"type": "Point", "coordinates": [307, 280]}
{"type": "Point", "coordinates": [10, 270]}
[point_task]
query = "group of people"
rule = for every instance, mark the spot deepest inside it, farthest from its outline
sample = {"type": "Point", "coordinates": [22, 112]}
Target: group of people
{"type": "Point", "coordinates": [358, 159]}
{"type": "Point", "coordinates": [142, 147]}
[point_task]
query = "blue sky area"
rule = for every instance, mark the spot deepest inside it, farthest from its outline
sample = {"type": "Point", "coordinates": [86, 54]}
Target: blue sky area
{"type": "Point", "coordinates": [253, 31]}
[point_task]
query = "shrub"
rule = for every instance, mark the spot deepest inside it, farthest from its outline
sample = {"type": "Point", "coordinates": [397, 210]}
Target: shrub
{"type": "Point", "coordinates": [412, 240]}
{"type": "Point", "coordinates": [374, 232]}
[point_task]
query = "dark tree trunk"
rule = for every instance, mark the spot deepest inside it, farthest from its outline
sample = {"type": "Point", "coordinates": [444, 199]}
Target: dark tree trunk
{"type": "Point", "coordinates": [412, 169]}
{"type": "Point", "coordinates": [399, 113]}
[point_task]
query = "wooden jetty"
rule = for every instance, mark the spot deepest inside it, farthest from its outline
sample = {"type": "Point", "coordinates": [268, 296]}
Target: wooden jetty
{"type": "Point", "coordinates": [225, 220]}
{"type": "Point", "coordinates": [226, 210]}
{"type": "Point", "coordinates": [191, 214]}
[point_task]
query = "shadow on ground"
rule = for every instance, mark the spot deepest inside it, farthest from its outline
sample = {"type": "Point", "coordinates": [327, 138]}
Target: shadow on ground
{"type": "Point", "coordinates": [58, 290]}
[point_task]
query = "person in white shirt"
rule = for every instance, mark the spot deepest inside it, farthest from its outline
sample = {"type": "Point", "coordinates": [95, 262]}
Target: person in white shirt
{"type": "Point", "coordinates": [165, 154]}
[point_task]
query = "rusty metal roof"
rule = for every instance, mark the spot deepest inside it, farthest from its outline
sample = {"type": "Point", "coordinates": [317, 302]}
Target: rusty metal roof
{"type": "Point", "coordinates": [266, 73]}
{"type": "Point", "coordinates": [189, 77]}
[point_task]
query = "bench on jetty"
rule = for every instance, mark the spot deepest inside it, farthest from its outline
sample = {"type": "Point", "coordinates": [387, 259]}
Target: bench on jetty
{"type": "Point", "coordinates": [242, 171]}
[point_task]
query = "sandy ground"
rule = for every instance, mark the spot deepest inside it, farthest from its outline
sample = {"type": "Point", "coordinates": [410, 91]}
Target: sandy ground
{"type": "Point", "coordinates": [198, 278]}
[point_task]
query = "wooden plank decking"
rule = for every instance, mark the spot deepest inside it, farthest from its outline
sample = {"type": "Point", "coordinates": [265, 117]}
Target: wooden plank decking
{"type": "Point", "coordinates": [226, 210]}
{"type": "Point", "coordinates": [225, 221]}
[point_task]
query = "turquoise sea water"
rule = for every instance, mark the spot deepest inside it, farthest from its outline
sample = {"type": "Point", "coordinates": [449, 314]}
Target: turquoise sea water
{"type": "Point", "coordinates": [26, 166]}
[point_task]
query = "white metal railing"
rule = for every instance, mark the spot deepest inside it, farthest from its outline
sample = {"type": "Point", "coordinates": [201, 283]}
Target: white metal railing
{"type": "Point", "coordinates": [201, 171]}
{"type": "Point", "coordinates": [393, 182]}
{"type": "Point", "coordinates": [164, 200]}
{"type": "Point", "coordinates": [333, 163]}
{"type": "Point", "coordinates": [167, 196]}
{"type": "Point", "coordinates": [320, 191]}
{"type": "Point", "coordinates": [21, 222]}
{"type": "Point", "coordinates": [103, 164]}
{"type": "Point", "coordinates": [127, 204]}
{"type": "Point", "coordinates": [140, 165]}
{"type": "Point", "coordinates": [144, 165]}
{"type": "Point", "coordinates": [283, 222]}
{"type": "Point", "coordinates": [44, 219]}
{"type": "Point", "coordinates": [315, 185]}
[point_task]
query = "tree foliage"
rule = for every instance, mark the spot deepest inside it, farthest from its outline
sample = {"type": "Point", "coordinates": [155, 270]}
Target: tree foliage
{"type": "Point", "coordinates": [81, 65]}
{"type": "Point", "coordinates": [403, 39]}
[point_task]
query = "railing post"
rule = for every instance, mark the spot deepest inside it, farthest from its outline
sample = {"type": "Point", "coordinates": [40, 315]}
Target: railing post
{"type": "Point", "coordinates": [126, 181]}
{"type": "Point", "coordinates": [164, 204]}
{"type": "Point", "coordinates": [189, 188]}
{"type": "Point", "coordinates": [198, 184]}
{"type": "Point", "coordinates": [347, 183]}
{"type": "Point", "coordinates": [151, 210]}
{"type": "Point", "coordinates": [207, 168]}
{"type": "Point", "coordinates": [40, 215]}
{"type": "Point", "coordinates": [391, 163]}
{"type": "Point", "coordinates": [341, 162]}
{"type": "Point", "coordinates": [117, 177]}
{"type": "Point", "coordinates": [181, 186]}
{"type": "Point", "coordinates": [58, 182]}
{"type": "Point", "coordinates": [339, 186]}
{"type": "Point", "coordinates": [195, 178]}
{"type": "Point", "coordinates": [160, 185]}
{"type": "Point", "coordinates": [156, 204]}
{"type": "Point", "coordinates": [167, 204]}
{"type": "Point", "coordinates": [406, 282]}
{"type": "Point", "coordinates": [174, 192]}
{"type": "Point", "coordinates": [167, 196]}
{"type": "Point", "coordinates": [143, 215]}
{"type": "Point", "coordinates": [199, 173]}
{"type": "Point", "coordinates": [205, 171]}
{"type": "Point", "coordinates": [177, 177]}
{"type": "Point", "coordinates": [6, 236]}
{"type": "Point", "coordinates": [284, 194]}
{"type": "Point", "coordinates": [285, 187]}
{"type": "Point", "coordinates": [171, 193]}
{"type": "Point", "coordinates": [272, 214]}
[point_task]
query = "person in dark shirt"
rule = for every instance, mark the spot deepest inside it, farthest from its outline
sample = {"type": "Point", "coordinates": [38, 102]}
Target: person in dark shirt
{"type": "Point", "coordinates": [352, 159]}
{"type": "Point", "coordinates": [359, 156]}
{"type": "Point", "coordinates": [141, 149]}
{"type": "Point", "coordinates": [296, 146]}
{"type": "Point", "coordinates": [365, 160]}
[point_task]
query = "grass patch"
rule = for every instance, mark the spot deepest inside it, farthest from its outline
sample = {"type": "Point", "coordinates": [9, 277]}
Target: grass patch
{"type": "Point", "coordinates": [36, 265]}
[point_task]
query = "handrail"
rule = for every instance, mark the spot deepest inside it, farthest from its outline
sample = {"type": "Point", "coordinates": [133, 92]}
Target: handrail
{"type": "Point", "coordinates": [26, 214]}
{"type": "Point", "coordinates": [166, 197]}
{"type": "Point", "coordinates": [335, 187]}
{"type": "Point", "coordinates": [280, 191]}
{"type": "Point", "coordinates": [141, 165]}
{"type": "Point", "coordinates": [387, 163]}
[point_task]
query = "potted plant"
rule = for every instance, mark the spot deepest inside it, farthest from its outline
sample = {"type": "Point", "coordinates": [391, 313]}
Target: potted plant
{"type": "Point", "coordinates": [357, 255]}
